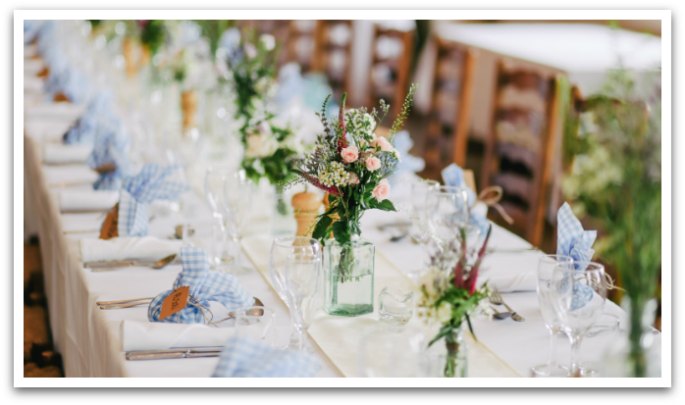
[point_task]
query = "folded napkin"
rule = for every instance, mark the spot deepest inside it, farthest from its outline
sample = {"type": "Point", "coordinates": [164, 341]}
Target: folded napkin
{"type": "Point", "coordinates": [136, 335]}
{"type": "Point", "coordinates": [69, 81]}
{"type": "Point", "coordinates": [147, 248]}
{"type": "Point", "coordinates": [205, 286]}
{"type": "Point", "coordinates": [138, 191]}
{"type": "Point", "coordinates": [32, 29]}
{"type": "Point", "coordinates": [89, 222]}
{"type": "Point", "coordinates": [98, 114]}
{"type": "Point", "coordinates": [56, 154]}
{"type": "Point", "coordinates": [574, 241]}
{"type": "Point", "coordinates": [110, 148]}
{"type": "Point", "coordinates": [68, 175]}
{"type": "Point", "coordinates": [86, 200]}
{"type": "Point", "coordinates": [244, 357]}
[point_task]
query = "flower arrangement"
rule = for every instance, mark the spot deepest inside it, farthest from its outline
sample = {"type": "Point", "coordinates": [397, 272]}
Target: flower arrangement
{"type": "Point", "coordinates": [450, 296]}
{"type": "Point", "coordinates": [613, 142]}
{"type": "Point", "coordinates": [252, 69]}
{"type": "Point", "coordinates": [351, 163]}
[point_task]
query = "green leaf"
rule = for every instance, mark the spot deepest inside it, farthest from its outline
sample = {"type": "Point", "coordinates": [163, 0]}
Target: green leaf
{"type": "Point", "coordinates": [386, 205]}
{"type": "Point", "coordinates": [341, 232]}
{"type": "Point", "coordinates": [321, 229]}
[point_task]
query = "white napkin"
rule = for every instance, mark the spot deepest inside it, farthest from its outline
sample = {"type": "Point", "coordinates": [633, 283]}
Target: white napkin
{"type": "Point", "coordinates": [33, 85]}
{"type": "Point", "coordinates": [146, 248]}
{"type": "Point", "coordinates": [82, 222]}
{"type": "Point", "coordinates": [46, 131]}
{"type": "Point", "coordinates": [137, 335]}
{"type": "Point", "coordinates": [54, 111]}
{"type": "Point", "coordinates": [68, 175]}
{"type": "Point", "coordinates": [57, 154]}
{"type": "Point", "coordinates": [86, 200]}
{"type": "Point", "coordinates": [33, 66]}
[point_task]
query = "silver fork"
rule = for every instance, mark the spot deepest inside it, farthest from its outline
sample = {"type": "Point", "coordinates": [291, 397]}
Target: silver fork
{"type": "Point", "coordinates": [497, 299]}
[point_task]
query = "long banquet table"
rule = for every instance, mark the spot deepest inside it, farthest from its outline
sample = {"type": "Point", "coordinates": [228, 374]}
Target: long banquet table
{"type": "Point", "coordinates": [90, 339]}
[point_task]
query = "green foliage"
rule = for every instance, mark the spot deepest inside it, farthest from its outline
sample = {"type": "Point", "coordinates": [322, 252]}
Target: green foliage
{"type": "Point", "coordinates": [153, 34]}
{"type": "Point", "coordinates": [212, 30]}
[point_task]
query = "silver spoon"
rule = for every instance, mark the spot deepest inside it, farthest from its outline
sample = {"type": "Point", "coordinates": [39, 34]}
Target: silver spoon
{"type": "Point", "coordinates": [497, 299]}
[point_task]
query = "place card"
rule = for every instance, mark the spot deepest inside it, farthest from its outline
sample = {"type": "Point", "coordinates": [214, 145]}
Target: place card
{"type": "Point", "coordinates": [110, 225]}
{"type": "Point", "coordinates": [174, 302]}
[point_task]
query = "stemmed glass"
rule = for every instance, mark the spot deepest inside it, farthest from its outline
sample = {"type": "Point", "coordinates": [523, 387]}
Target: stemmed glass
{"type": "Point", "coordinates": [294, 267]}
{"type": "Point", "coordinates": [448, 212]}
{"type": "Point", "coordinates": [579, 297]}
{"type": "Point", "coordinates": [547, 265]}
{"type": "Point", "coordinates": [420, 189]}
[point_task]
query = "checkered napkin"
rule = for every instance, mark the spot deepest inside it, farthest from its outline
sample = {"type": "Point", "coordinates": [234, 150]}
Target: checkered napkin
{"type": "Point", "coordinates": [98, 114]}
{"type": "Point", "coordinates": [244, 357]}
{"type": "Point", "coordinates": [205, 286]}
{"type": "Point", "coordinates": [574, 241]}
{"type": "Point", "coordinates": [69, 81]}
{"type": "Point", "coordinates": [110, 146]}
{"type": "Point", "coordinates": [139, 191]}
{"type": "Point", "coordinates": [453, 176]}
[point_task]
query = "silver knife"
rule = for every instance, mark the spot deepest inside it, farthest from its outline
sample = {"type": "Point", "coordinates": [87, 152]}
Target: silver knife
{"type": "Point", "coordinates": [104, 265]}
{"type": "Point", "coordinates": [188, 353]}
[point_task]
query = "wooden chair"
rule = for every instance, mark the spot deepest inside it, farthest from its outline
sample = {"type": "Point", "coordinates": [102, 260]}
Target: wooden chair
{"type": "Point", "coordinates": [449, 118]}
{"type": "Point", "coordinates": [391, 56]}
{"type": "Point", "coordinates": [333, 52]}
{"type": "Point", "coordinates": [520, 147]}
{"type": "Point", "coordinates": [300, 43]}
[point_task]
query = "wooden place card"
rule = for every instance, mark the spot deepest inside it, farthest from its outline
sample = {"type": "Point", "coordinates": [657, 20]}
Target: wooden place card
{"type": "Point", "coordinates": [109, 227]}
{"type": "Point", "coordinates": [174, 302]}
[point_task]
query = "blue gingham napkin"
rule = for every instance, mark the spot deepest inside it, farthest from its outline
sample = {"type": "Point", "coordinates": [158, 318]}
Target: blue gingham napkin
{"type": "Point", "coordinates": [68, 80]}
{"type": "Point", "coordinates": [110, 145]}
{"type": "Point", "coordinates": [138, 191]}
{"type": "Point", "coordinates": [244, 357]}
{"type": "Point", "coordinates": [205, 286]}
{"type": "Point", "coordinates": [453, 176]}
{"type": "Point", "coordinates": [574, 241]}
{"type": "Point", "coordinates": [98, 113]}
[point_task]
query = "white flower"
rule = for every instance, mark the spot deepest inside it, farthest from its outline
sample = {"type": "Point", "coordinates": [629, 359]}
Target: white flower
{"type": "Point", "coordinates": [263, 85]}
{"type": "Point", "coordinates": [334, 175]}
{"type": "Point", "coordinates": [250, 51]}
{"type": "Point", "coordinates": [261, 143]}
{"type": "Point", "coordinates": [268, 41]}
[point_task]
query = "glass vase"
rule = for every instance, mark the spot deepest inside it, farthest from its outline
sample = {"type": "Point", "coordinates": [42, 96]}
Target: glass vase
{"type": "Point", "coordinates": [446, 357]}
{"type": "Point", "coordinates": [282, 220]}
{"type": "Point", "coordinates": [635, 351]}
{"type": "Point", "coordinates": [348, 277]}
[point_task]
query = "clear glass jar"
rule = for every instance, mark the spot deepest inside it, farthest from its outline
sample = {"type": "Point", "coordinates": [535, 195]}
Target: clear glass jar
{"type": "Point", "coordinates": [348, 277]}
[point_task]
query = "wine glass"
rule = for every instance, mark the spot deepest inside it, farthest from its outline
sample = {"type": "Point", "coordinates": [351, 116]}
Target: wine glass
{"type": "Point", "coordinates": [578, 297]}
{"type": "Point", "coordinates": [545, 276]}
{"type": "Point", "coordinates": [420, 190]}
{"type": "Point", "coordinates": [294, 267]}
{"type": "Point", "coordinates": [448, 213]}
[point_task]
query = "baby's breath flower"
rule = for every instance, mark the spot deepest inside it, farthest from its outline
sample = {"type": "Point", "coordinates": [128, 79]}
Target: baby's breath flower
{"type": "Point", "coordinates": [333, 175]}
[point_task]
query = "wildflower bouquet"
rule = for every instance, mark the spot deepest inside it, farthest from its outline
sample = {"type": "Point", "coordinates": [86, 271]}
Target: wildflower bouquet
{"type": "Point", "coordinates": [449, 297]}
{"type": "Point", "coordinates": [351, 163]}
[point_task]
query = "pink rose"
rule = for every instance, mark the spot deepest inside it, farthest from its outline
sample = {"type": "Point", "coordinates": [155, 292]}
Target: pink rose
{"type": "Point", "coordinates": [381, 191]}
{"type": "Point", "coordinates": [373, 163]}
{"type": "Point", "coordinates": [383, 143]}
{"type": "Point", "coordinates": [349, 154]}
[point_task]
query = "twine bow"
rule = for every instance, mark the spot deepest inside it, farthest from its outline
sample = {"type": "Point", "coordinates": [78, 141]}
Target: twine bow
{"type": "Point", "coordinates": [491, 197]}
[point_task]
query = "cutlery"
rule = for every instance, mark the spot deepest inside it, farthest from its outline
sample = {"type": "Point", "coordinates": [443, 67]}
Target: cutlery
{"type": "Point", "coordinates": [496, 298]}
{"type": "Point", "coordinates": [106, 265]}
{"type": "Point", "coordinates": [134, 302]}
{"type": "Point", "coordinates": [516, 250]}
{"type": "Point", "coordinates": [399, 237]}
{"type": "Point", "coordinates": [181, 353]}
{"type": "Point", "coordinates": [383, 227]}
{"type": "Point", "coordinates": [500, 315]}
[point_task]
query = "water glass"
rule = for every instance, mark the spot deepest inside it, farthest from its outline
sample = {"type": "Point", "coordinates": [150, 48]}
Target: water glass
{"type": "Point", "coordinates": [396, 306]}
{"type": "Point", "coordinates": [547, 266]}
{"type": "Point", "coordinates": [578, 297]}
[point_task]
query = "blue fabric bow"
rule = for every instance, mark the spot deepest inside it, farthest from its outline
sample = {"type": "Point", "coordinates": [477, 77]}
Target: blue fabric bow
{"type": "Point", "coordinates": [110, 147]}
{"type": "Point", "coordinates": [575, 242]}
{"type": "Point", "coordinates": [98, 114]}
{"type": "Point", "coordinates": [67, 80]}
{"type": "Point", "coordinates": [243, 357]}
{"type": "Point", "coordinates": [139, 191]}
{"type": "Point", "coordinates": [205, 286]}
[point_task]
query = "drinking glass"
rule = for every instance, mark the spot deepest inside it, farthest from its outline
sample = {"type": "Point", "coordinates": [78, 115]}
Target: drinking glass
{"type": "Point", "coordinates": [545, 277]}
{"type": "Point", "coordinates": [579, 296]}
{"type": "Point", "coordinates": [448, 213]}
{"type": "Point", "coordinates": [420, 189]}
{"type": "Point", "coordinates": [254, 323]}
{"type": "Point", "coordinates": [236, 203]}
{"type": "Point", "coordinates": [294, 267]}
{"type": "Point", "coordinates": [396, 306]}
